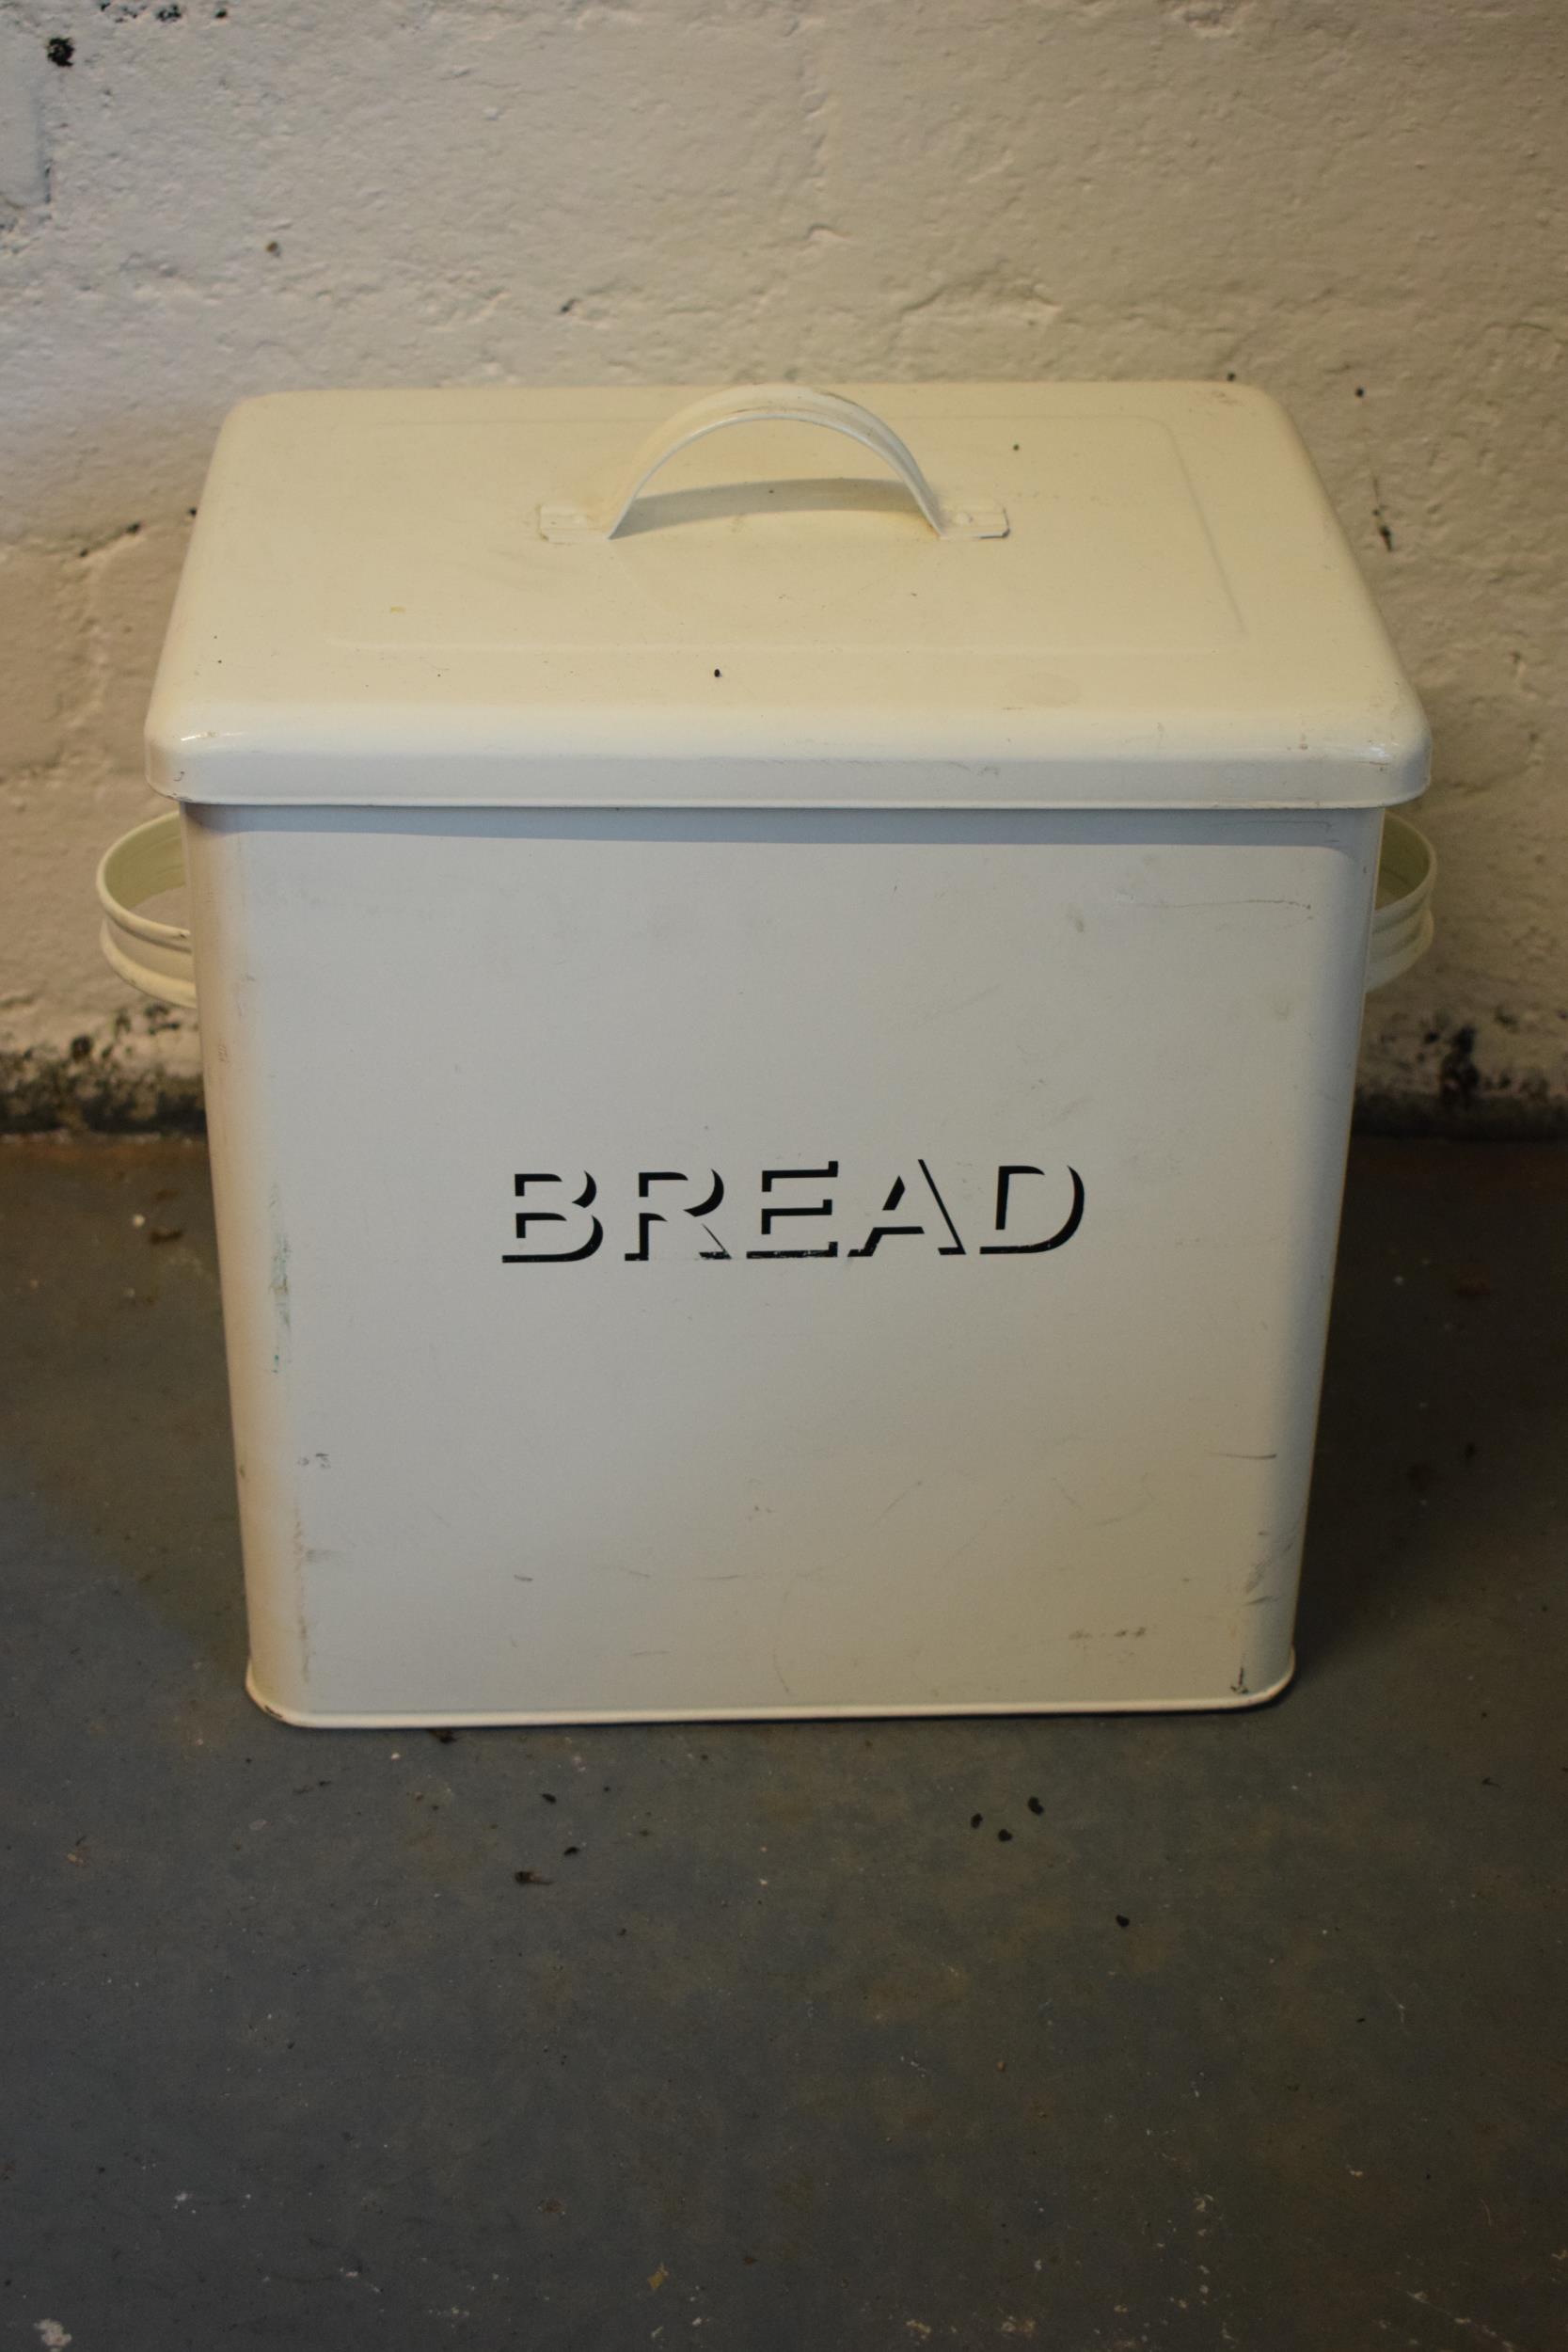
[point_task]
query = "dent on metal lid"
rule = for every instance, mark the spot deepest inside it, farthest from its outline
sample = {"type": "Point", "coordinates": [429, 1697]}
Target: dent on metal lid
{"type": "Point", "coordinates": [945, 596]}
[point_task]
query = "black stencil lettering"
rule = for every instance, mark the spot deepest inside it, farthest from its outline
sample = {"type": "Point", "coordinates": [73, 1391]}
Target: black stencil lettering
{"type": "Point", "coordinates": [770, 1215]}
{"type": "Point", "coordinates": [525, 1218]}
{"type": "Point", "coordinates": [878, 1233]}
{"type": "Point", "coordinates": [956, 1250]}
{"type": "Point", "coordinates": [529, 1218]}
{"type": "Point", "coordinates": [1030, 1248]}
{"type": "Point", "coordinates": [648, 1218]}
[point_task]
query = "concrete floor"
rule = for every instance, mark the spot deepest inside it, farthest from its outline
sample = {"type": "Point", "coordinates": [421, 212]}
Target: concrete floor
{"type": "Point", "coordinates": [1253, 2035]}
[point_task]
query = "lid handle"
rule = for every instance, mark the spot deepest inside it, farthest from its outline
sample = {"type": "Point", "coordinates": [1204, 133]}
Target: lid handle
{"type": "Point", "coordinates": [951, 513]}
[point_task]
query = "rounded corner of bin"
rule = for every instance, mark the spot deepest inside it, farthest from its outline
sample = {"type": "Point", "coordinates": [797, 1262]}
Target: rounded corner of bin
{"type": "Point", "coordinates": [299, 1719]}
{"type": "Point", "coordinates": [254, 409]}
{"type": "Point", "coordinates": [1269, 1691]}
{"type": "Point", "coordinates": [162, 765]}
{"type": "Point", "coordinates": [1407, 749]}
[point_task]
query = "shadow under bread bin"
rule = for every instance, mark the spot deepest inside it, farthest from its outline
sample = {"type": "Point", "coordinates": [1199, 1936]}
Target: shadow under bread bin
{"type": "Point", "coordinates": [779, 1023]}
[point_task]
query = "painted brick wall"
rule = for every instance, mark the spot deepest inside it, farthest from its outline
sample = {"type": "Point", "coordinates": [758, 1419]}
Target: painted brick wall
{"type": "Point", "coordinates": [1357, 203]}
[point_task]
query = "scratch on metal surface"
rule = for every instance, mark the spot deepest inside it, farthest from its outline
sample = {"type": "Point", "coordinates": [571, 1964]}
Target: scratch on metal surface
{"type": "Point", "coordinates": [897, 1498]}
{"type": "Point", "coordinates": [278, 1278]}
{"type": "Point", "coordinates": [301, 1619]}
{"type": "Point", "coordinates": [777, 1668]}
{"type": "Point", "coordinates": [1108, 1519]}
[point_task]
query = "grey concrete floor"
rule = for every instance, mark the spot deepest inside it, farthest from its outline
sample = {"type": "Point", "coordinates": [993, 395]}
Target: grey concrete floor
{"type": "Point", "coordinates": [1252, 2034]}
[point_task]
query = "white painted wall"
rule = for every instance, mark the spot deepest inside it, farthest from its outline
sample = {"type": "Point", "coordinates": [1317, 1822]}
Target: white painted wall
{"type": "Point", "coordinates": [1357, 203]}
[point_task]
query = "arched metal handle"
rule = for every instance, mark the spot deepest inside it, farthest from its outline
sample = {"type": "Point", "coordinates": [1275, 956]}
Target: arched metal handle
{"type": "Point", "coordinates": [951, 513]}
{"type": "Point", "coordinates": [1401, 926]}
{"type": "Point", "coordinates": [154, 956]}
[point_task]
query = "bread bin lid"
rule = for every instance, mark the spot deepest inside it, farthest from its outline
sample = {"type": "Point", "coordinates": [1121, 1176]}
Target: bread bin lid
{"type": "Point", "coordinates": [1070, 596]}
